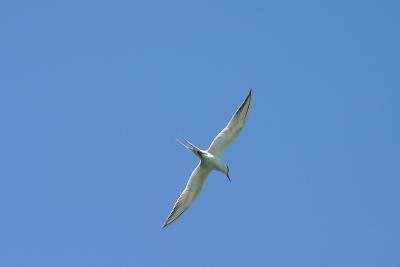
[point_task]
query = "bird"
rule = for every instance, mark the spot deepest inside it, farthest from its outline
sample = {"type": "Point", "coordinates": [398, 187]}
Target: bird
{"type": "Point", "coordinates": [210, 160]}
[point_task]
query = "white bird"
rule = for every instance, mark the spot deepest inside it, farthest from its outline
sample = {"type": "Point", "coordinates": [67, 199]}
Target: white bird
{"type": "Point", "coordinates": [209, 160]}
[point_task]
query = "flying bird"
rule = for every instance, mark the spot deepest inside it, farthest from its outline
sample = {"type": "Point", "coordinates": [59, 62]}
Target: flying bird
{"type": "Point", "coordinates": [210, 159]}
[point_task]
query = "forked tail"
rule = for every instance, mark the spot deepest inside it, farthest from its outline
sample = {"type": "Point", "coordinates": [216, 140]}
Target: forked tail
{"type": "Point", "coordinates": [189, 145]}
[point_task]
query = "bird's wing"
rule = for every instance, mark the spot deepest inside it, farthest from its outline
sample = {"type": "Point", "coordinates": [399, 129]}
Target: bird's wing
{"type": "Point", "coordinates": [189, 194]}
{"type": "Point", "coordinates": [229, 133]}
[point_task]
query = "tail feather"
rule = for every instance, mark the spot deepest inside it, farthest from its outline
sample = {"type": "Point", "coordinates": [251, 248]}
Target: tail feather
{"type": "Point", "coordinates": [180, 142]}
{"type": "Point", "coordinates": [188, 145]}
{"type": "Point", "coordinates": [193, 146]}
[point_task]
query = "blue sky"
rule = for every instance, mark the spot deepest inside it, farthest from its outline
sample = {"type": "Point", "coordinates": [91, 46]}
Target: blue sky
{"type": "Point", "coordinates": [93, 94]}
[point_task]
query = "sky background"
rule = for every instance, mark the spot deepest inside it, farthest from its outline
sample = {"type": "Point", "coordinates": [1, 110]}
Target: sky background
{"type": "Point", "coordinates": [93, 94]}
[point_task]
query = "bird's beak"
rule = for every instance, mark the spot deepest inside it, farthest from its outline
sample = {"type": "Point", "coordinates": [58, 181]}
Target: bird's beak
{"type": "Point", "coordinates": [227, 174]}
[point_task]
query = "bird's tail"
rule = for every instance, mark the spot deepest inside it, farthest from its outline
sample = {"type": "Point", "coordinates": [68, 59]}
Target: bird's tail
{"type": "Point", "coordinates": [188, 145]}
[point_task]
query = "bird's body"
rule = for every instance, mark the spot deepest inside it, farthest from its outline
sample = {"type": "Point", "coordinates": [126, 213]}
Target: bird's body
{"type": "Point", "coordinates": [214, 163]}
{"type": "Point", "coordinates": [209, 160]}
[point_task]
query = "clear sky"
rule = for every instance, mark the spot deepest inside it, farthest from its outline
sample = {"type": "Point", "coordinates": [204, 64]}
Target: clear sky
{"type": "Point", "coordinates": [93, 94]}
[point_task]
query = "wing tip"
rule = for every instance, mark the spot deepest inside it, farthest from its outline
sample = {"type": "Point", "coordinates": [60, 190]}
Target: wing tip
{"type": "Point", "coordinates": [168, 222]}
{"type": "Point", "coordinates": [246, 101]}
{"type": "Point", "coordinates": [173, 216]}
{"type": "Point", "coordinates": [250, 93]}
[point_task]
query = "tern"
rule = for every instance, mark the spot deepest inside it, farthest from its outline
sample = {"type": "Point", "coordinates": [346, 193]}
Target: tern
{"type": "Point", "coordinates": [210, 159]}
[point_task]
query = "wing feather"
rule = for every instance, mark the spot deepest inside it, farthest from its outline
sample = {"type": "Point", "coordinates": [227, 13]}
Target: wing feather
{"type": "Point", "coordinates": [189, 194]}
{"type": "Point", "coordinates": [231, 131]}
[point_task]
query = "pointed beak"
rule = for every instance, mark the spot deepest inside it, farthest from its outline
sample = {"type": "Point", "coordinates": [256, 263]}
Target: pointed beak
{"type": "Point", "coordinates": [227, 174]}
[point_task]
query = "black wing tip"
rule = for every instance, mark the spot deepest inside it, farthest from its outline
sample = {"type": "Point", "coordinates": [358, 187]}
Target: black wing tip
{"type": "Point", "coordinates": [248, 99]}
{"type": "Point", "coordinates": [167, 223]}
{"type": "Point", "coordinates": [170, 218]}
{"type": "Point", "coordinates": [250, 93]}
